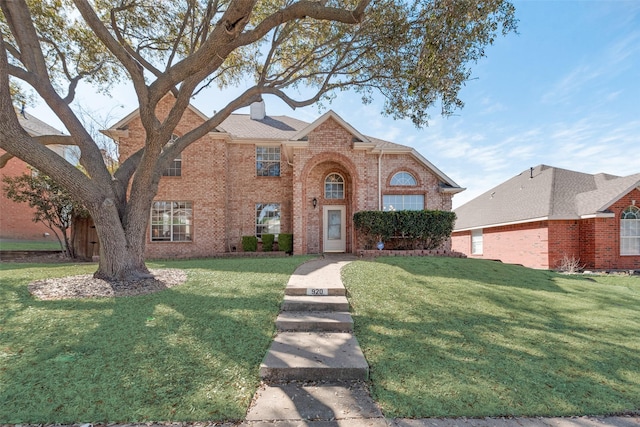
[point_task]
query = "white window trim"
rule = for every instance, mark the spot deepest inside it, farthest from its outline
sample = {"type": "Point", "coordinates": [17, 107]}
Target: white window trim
{"type": "Point", "coordinates": [477, 242]}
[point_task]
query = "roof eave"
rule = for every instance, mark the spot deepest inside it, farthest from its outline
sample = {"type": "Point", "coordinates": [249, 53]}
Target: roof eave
{"type": "Point", "coordinates": [451, 190]}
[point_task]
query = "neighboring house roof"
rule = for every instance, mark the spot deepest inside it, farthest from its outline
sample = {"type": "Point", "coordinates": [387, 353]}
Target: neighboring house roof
{"type": "Point", "coordinates": [34, 126]}
{"type": "Point", "coordinates": [544, 193]}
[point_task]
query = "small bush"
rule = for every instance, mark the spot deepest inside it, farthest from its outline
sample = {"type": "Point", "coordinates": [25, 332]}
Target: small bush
{"type": "Point", "coordinates": [570, 264]}
{"type": "Point", "coordinates": [285, 242]}
{"type": "Point", "coordinates": [249, 243]}
{"type": "Point", "coordinates": [267, 242]}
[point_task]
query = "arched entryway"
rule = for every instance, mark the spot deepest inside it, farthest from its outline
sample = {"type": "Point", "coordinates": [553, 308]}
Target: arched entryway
{"type": "Point", "coordinates": [330, 187]}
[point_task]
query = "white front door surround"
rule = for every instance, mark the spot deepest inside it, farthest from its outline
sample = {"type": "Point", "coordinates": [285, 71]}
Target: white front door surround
{"type": "Point", "coordinates": [334, 228]}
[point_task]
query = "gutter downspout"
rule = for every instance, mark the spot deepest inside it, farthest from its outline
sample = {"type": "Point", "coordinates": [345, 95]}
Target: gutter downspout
{"type": "Point", "coordinates": [380, 180]}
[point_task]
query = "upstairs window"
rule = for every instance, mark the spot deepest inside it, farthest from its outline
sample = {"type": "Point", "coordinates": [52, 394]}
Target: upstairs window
{"type": "Point", "coordinates": [403, 179]}
{"type": "Point", "coordinates": [630, 231]}
{"type": "Point", "coordinates": [267, 161]}
{"type": "Point", "coordinates": [175, 167]}
{"type": "Point", "coordinates": [334, 186]}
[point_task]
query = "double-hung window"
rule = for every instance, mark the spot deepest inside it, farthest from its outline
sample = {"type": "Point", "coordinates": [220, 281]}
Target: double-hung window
{"type": "Point", "coordinates": [267, 219]}
{"type": "Point", "coordinates": [171, 221]}
{"type": "Point", "coordinates": [267, 161]}
{"type": "Point", "coordinates": [630, 231]}
{"type": "Point", "coordinates": [476, 242]}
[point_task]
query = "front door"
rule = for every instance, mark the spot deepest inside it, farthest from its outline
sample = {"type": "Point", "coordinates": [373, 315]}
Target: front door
{"type": "Point", "coordinates": [334, 228]}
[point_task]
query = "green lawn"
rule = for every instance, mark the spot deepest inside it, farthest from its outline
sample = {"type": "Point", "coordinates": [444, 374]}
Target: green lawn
{"type": "Point", "coordinates": [25, 245]}
{"type": "Point", "coordinates": [187, 353]}
{"type": "Point", "coordinates": [460, 337]}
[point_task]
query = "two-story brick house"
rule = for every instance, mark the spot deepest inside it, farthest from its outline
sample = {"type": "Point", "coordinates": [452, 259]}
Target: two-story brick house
{"type": "Point", "coordinates": [259, 174]}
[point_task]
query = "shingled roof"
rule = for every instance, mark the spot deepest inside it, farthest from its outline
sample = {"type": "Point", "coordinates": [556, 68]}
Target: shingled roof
{"type": "Point", "coordinates": [285, 129]}
{"type": "Point", "coordinates": [544, 193]}
{"type": "Point", "coordinates": [34, 126]}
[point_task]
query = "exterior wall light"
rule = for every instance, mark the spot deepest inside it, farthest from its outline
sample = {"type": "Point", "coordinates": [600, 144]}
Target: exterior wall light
{"type": "Point", "coordinates": [314, 202]}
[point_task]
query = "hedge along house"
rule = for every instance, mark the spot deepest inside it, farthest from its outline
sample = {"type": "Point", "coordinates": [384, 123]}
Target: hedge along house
{"type": "Point", "coordinates": [16, 219]}
{"type": "Point", "coordinates": [259, 174]}
{"type": "Point", "coordinates": [546, 215]}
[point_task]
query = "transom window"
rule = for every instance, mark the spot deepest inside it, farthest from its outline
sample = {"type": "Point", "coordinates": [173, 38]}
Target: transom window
{"type": "Point", "coordinates": [175, 167]}
{"type": "Point", "coordinates": [268, 161]}
{"type": "Point", "coordinates": [630, 231]}
{"type": "Point", "coordinates": [403, 178]}
{"type": "Point", "coordinates": [267, 219]}
{"type": "Point", "coordinates": [334, 186]}
{"type": "Point", "coordinates": [171, 221]}
{"type": "Point", "coordinates": [403, 202]}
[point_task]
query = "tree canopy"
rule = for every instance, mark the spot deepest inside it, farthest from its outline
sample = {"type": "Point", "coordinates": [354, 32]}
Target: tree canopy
{"type": "Point", "coordinates": [417, 54]}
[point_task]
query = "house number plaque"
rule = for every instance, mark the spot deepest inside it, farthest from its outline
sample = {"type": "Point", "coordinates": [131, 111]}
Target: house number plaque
{"type": "Point", "coordinates": [317, 291]}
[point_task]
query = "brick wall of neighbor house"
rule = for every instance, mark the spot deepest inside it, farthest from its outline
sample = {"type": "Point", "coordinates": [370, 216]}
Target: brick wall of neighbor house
{"type": "Point", "coordinates": [461, 242]}
{"type": "Point", "coordinates": [564, 242]}
{"type": "Point", "coordinates": [524, 244]}
{"type": "Point", "coordinates": [601, 238]}
{"type": "Point", "coordinates": [15, 218]}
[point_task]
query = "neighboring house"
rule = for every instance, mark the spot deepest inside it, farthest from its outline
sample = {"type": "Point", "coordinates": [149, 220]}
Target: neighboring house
{"type": "Point", "coordinates": [16, 218]}
{"type": "Point", "coordinates": [258, 174]}
{"type": "Point", "coordinates": [545, 214]}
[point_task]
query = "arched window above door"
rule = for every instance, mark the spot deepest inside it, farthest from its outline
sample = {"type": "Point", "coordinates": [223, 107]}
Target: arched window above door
{"type": "Point", "coordinates": [334, 186]}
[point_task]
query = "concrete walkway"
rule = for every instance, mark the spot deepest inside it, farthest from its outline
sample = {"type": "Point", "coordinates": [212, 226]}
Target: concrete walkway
{"type": "Point", "coordinates": [314, 373]}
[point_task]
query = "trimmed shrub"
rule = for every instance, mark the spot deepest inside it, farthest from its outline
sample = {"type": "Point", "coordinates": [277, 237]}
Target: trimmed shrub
{"type": "Point", "coordinates": [267, 242]}
{"type": "Point", "coordinates": [249, 243]}
{"type": "Point", "coordinates": [426, 229]}
{"type": "Point", "coordinates": [285, 242]}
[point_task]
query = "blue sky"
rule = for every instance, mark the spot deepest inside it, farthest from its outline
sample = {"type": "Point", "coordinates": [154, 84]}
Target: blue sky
{"type": "Point", "coordinates": [564, 92]}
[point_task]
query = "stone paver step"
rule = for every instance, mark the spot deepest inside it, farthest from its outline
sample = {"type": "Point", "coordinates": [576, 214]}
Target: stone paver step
{"type": "Point", "coordinates": [315, 303]}
{"type": "Point", "coordinates": [314, 356]}
{"type": "Point", "coordinates": [314, 321]}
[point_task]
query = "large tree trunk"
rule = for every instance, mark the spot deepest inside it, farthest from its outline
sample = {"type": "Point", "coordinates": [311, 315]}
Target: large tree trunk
{"type": "Point", "coordinates": [121, 249]}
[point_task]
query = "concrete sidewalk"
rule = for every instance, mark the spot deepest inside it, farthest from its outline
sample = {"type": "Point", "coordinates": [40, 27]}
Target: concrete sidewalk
{"type": "Point", "coordinates": [315, 344]}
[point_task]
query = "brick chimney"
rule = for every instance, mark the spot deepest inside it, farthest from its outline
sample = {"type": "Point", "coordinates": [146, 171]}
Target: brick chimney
{"type": "Point", "coordinates": [257, 110]}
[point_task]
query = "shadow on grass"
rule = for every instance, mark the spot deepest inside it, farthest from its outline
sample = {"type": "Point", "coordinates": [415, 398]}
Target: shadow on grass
{"type": "Point", "coordinates": [186, 353]}
{"type": "Point", "coordinates": [449, 342]}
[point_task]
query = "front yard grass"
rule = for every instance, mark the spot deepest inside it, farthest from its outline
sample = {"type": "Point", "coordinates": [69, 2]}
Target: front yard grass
{"type": "Point", "coordinates": [187, 353]}
{"type": "Point", "coordinates": [460, 337]}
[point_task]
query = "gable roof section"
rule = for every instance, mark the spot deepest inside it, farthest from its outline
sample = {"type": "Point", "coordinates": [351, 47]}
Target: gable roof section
{"type": "Point", "coordinates": [120, 128]}
{"type": "Point", "coordinates": [608, 192]}
{"type": "Point", "coordinates": [544, 193]}
{"type": "Point", "coordinates": [360, 138]}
